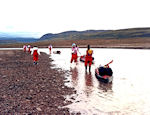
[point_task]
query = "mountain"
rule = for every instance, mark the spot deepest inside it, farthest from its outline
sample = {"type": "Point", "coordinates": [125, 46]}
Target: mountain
{"type": "Point", "coordinates": [99, 34]}
{"type": "Point", "coordinates": [16, 38]}
{"type": "Point", "coordinates": [7, 41]}
{"type": "Point", "coordinates": [70, 34]}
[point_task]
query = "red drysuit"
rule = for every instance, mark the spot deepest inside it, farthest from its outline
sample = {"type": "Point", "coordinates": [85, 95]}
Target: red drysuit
{"type": "Point", "coordinates": [50, 48]}
{"type": "Point", "coordinates": [35, 53]}
{"type": "Point", "coordinates": [24, 48]}
{"type": "Point", "coordinates": [29, 48]}
{"type": "Point", "coordinates": [88, 58]}
{"type": "Point", "coordinates": [74, 54]}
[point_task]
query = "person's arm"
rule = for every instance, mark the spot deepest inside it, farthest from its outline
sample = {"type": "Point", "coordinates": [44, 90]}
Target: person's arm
{"type": "Point", "coordinates": [32, 52]}
{"type": "Point", "coordinates": [72, 51]}
{"type": "Point", "coordinates": [38, 52]}
{"type": "Point", "coordinates": [78, 50]}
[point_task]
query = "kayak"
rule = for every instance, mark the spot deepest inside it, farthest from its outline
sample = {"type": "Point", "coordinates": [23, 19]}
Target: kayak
{"type": "Point", "coordinates": [56, 52]}
{"type": "Point", "coordinates": [82, 59]}
{"type": "Point", "coordinates": [104, 74]}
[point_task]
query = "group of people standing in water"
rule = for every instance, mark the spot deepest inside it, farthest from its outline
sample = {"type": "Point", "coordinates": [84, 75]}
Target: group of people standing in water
{"type": "Point", "coordinates": [88, 56]}
{"type": "Point", "coordinates": [74, 54]}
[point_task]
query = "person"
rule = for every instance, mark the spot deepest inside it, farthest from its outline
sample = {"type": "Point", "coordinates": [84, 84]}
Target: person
{"type": "Point", "coordinates": [24, 48]}
{"type": "Point", "coordinates": [88, 58]}
{"type": "Point", "coordinates": [35, 52]}
{"type": "Point", "coordinates": [50, 48]}
{"type": "Point", "coordinates": [29, 48]}
{"type": "Point", "coordinates": [74, 53]}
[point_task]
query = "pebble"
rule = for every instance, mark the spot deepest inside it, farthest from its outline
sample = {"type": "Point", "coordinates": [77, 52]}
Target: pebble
{"type": "Point", "coordinates": [39, 109]}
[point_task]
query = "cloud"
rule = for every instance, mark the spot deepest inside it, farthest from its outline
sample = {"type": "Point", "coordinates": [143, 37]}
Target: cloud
{"type": "Point", "coordinates": [55, 16]}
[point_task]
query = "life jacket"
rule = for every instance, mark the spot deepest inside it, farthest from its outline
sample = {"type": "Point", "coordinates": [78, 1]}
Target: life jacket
{"type": "Point", "coordinates": [74, 50]}
{"type": "Point", "coordinates": [35, 52]}
{"type": "Point", "coordinates": [89, 53]}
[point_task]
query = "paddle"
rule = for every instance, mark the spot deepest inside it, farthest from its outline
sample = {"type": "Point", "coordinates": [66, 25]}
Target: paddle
{"type": "Point", "coordinates": [107, 65]}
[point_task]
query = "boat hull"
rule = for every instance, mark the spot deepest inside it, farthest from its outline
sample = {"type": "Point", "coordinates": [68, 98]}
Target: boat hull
{"type": "Point", "coordinates": [104, 78]}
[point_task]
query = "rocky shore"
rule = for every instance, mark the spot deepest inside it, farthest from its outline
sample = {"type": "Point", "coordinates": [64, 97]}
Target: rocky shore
{"type": "Point", "coordinates": [31, 89]}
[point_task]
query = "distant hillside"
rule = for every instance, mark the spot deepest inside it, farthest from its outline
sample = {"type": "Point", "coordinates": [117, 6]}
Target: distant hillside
{"type": "Point", "coordinates": [16, 37]}
{"type": "Point", "coordinates": [7, 41]}
{"type": "Point", "coordinates": [71, 34]}
{"type": "Point", "coordinates": [99, 34]}
{"type": "Point", "coordinates": [4, 40]}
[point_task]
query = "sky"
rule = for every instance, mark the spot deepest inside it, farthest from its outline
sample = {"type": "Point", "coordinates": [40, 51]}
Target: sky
{"type": "Point", "coordinates": [38, 17]}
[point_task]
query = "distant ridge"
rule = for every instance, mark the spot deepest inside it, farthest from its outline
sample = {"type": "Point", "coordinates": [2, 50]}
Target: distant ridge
{"type": "Point", "coordinates": [71, 34]}
{"type": "Point", "coordinates": [5, 40]}
{"type": "Point", "coordinates": [99, 34]}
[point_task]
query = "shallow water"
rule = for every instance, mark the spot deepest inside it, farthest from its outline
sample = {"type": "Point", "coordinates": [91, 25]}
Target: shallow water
{"type": "Point", "coordinates": [128, 94]}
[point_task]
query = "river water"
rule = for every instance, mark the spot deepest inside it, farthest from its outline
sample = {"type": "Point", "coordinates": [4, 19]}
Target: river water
{"type": "Point", "coordinates": [129, 93]}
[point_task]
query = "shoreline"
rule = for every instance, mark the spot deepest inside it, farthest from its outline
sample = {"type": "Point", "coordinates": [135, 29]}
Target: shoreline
{"type": "Point", "coordinates": [84, 46]}
{"type": "Point", "coordinates": [31, 89]}
{"type": "Point", "coordinates": [128, 43]}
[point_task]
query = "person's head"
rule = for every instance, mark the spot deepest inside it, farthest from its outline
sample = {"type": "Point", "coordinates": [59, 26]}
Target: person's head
{"type": "Point", "coordinates": [88, 47]}
{"type": "Point", "coordinates": [73, 45]}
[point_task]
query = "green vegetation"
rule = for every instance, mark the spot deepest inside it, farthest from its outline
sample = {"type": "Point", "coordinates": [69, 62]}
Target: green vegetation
{"type": "Point", "coordinates": [99, 34]}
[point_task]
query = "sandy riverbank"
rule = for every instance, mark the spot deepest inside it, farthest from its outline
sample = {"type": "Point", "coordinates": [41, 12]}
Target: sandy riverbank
{"type": "Point", "coordinates": [129, 43]}
{"type": "Point", "coordinates": [31, 89]}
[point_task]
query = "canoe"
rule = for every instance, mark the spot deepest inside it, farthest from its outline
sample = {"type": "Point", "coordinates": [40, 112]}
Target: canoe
{"type": "Point", "coordinates": [104, 74]}
{"type": "Point", "coordinates": [82, 59]}
{"type": "Point", "coordinates": [57, 52]}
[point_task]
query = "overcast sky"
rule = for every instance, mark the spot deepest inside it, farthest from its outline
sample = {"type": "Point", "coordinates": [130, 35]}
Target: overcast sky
{"type": "Point", "coordinates": [54, 16]}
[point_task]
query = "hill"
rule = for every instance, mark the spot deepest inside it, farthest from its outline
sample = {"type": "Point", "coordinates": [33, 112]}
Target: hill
{"type": "Point", "coordinates": [7, 37]}
{"type": "Point", "coordinates": [17, 40]}
{"type": "Point", "coordinates": [99, 34]}
{"type": "Point", "coordinates": [68, 35]}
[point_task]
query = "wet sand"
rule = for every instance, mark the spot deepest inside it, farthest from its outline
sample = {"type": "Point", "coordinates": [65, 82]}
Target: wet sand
{"type": "Point", "coordinates": [31, 89]}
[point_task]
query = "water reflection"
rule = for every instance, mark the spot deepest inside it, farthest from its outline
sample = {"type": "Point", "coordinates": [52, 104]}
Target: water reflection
{"type": "Point", "coordinates": [88, 84]}
{"type": "Point", "coordinates": [74, 75]}
{"type": "Point", "coordinates": [105, 87]}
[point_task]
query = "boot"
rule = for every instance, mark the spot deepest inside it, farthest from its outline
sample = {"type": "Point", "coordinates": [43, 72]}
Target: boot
{"type": "Point", "coordinates": [90, 69]}
{"type": "Point", "coordinates": [86, 68]}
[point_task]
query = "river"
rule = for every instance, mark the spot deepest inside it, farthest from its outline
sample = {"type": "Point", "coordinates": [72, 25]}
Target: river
{"type": "Point", "coordinates": [128, 93]}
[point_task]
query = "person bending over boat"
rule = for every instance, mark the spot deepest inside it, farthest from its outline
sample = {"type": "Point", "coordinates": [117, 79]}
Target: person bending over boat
{"type": "Point", "coordinates": [35, 52]}
{"type": "Point", "coordinates": [88, 58]}
{"type": "Point", "coordinates": [74, 53]}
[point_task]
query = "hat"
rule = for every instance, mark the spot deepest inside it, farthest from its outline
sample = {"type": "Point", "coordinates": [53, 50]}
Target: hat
{"type": "Point", "coordinates": [73, 44]}
{"type": "Point", "coordinates": [90, 51]}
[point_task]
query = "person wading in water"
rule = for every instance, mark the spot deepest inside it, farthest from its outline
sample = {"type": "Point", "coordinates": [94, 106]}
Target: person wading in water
{"type": "Point", "coordinates": [88, 58]}
{"type": "Point", "coordinates": [74, 53]}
